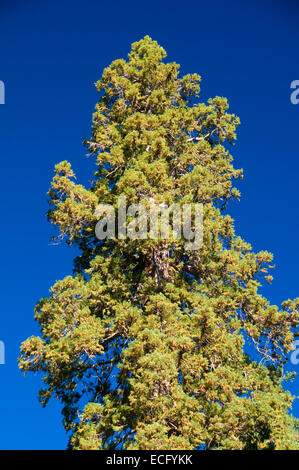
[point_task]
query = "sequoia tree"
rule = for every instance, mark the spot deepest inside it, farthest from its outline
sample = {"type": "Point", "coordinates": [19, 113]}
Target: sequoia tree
{"type": "Point", "coordinates": [150, 345]}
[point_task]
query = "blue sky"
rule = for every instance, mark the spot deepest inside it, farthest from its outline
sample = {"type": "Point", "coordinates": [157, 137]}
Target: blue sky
{"type": "Point", "coordinates": [51, 54]}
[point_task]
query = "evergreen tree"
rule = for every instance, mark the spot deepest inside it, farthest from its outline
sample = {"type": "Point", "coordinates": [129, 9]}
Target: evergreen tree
{"type": "Point", "coordinates": [147, 345]}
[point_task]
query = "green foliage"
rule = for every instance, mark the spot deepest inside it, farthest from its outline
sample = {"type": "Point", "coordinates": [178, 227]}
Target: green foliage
{"type": "Point", "coordinates": [144, 345]}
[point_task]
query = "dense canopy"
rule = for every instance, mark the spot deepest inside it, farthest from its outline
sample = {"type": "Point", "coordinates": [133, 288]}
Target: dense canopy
{"type": "Point", "coordinates": [150, 345]}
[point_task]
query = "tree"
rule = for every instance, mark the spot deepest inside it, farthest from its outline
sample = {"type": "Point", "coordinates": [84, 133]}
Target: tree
{"type": "Point", "coordinates": [150, 345]}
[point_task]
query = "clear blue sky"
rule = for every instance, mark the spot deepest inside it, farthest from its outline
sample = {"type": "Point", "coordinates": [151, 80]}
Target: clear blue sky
{"type": "Point", "coordinates": [51, 54]}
